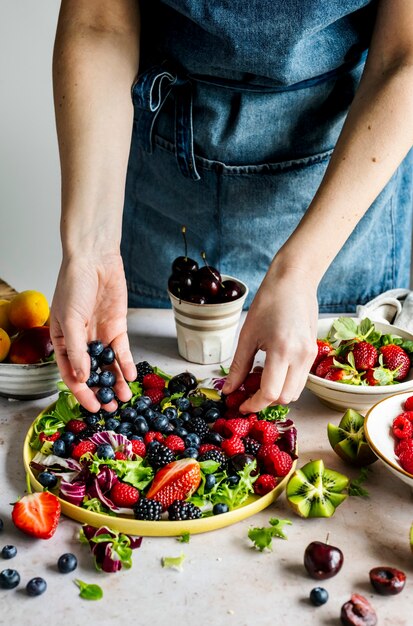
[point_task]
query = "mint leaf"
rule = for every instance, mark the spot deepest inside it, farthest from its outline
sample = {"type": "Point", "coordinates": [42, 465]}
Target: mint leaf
{"type": "Point", "coordinates": [273, 413]}
{"type": "Point", "coordinates": [184, 538]}
{"type": "Point", "coordinates": [278, 527]}
{"type": "Point", "coordinates": [89, 592]}
{"type": "Point", "coordinates": [174, 562]}
{"type": "Point", "coordinates": [355, 488]}
{"type": "Point", "coordinates": [262, 537]}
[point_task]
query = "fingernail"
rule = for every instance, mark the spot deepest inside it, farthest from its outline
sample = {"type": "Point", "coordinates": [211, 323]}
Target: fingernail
{"type": "Point", "coordinates": [79, 374]}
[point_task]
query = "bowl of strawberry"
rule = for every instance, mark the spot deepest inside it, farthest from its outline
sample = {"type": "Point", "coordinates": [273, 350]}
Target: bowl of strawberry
{"type": "Point", "coordinates": [360, 362]}
{"type": "Point", "coordinates": [388, 428]}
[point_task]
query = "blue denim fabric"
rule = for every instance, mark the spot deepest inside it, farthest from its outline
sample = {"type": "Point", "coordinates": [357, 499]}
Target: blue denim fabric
{"type": "Point", "coordinates": [238, 158]}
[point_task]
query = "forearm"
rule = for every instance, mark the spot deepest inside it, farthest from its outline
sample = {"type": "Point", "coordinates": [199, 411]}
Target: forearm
{"type": "Point", "coordinates": [93, 69]}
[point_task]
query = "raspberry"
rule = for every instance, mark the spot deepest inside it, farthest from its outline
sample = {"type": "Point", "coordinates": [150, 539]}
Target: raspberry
{"type": "Point", "coordinates": [252, 418]}
{"type": "Point", "coordinates": [123, 494]}
{"type": "Point", "coordinates": [155, 395]}
{"type": "Point", "coordinates": [76, 426]}
{"type": "Point", "coordinates": [406, 460]}
{"type": "Point", "coordinates": [142, 369]}
{"type": "Point", "coordinates": [206, 447]}
{"type": "Point", "coordinates": [148, 509]}
{"type": "Point", "coordinates": [43, 437]}
{"type": "Point", "coordinates": [266, 453]}
{"type": "Point", "coordinates": [408, 405]}
{"type": "Point", "coordinates": [264, 484]}
{"type": "Point", "coordinates": [174, 443]}
{"type": "Point", "coordinates": [264, 432]}
{"type": "Point", "coordinates": [120, 456]}
{"type": "Point", "coordinates": [280, 464]}
{"type": "Point", "coordinates": [138, 447]}
{"type": "Point", "coordinates": [239, 426]}
{"type": "Point", "coordinates": [251, 446]}
{"type": "Point", "coordinates": [402, 427]}
{"type": "Point", "coordinates": [235, 399]}
{"type": "Point", "coordinates": [81, 448]}
{"type": "Point", "coordinates": [219, 425]}
{"type": "Point", "coordinates": [403, 445]}
{"type": "Point", "coordinates": [252, 383]}
{"type": "Point", "coordinates": [153, 381]}
{"type": "Point", "coordinates": [232, 446]}
{"type": "Point", "coordinates": [232, 414]}
{"type": "Point", "coordinates": [180, 510]}
{"type": "Point", "coordinates": [152, 435]}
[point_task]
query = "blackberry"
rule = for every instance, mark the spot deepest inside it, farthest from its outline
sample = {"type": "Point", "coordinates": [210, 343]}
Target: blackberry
{"type": "Point", "coordinates": [198, 426]}
{"type": "Point", "coordinates": [251, 446]}
{"type": "Point", "coordinates": [143, 368]}
{"type": "Point", "coordinates": [89, 432]}
{"type": "Point", "coordinates": [218, 456]}
{"type": "Point", "coordinates": [158, 456]}
{"type": "Point", "coordinates": [180, 510]}
{"type": "Point", "coordinates": [148, 509]}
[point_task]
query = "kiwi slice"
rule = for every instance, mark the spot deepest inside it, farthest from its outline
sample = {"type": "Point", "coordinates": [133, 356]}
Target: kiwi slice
{"type": "Point", "coordinates": [316, 491]}
{"type": "Point", "coordinates": [348, 439]}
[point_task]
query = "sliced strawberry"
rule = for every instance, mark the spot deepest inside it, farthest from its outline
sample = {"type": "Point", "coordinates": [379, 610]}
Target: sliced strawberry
{"type": "Point", "coordinates": [176, 481]}
{"type": "Point", "coordinates": [43, 437]}
{"type": "Point", "coordinates": [37, 514]}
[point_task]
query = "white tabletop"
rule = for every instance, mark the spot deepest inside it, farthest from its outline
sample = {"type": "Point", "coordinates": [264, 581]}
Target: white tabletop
{"type": "Point", "coordinates": [224, 580]}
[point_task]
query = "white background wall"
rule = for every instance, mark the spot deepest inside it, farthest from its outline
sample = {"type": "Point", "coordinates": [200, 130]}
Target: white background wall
{"type": "Point", "coordinates": [29, 166]}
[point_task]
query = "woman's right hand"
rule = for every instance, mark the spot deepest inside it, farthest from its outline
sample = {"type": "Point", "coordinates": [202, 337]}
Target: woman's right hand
{"type": "Point", "coordinates": [90, 302]}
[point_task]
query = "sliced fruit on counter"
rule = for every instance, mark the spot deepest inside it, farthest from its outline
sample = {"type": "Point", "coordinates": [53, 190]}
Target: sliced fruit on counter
{"type": "Point", "coordinates": [176, 481]}
{"type": "Point", "coordinates": [348, 439]}
{"type": "Point", "coordinates": [37, 514]}
{"type": "Point", "coordinates": [316, 491]}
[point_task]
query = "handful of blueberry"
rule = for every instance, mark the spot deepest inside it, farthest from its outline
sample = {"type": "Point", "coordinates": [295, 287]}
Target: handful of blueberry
{"type": "Point", "coordinates": [101, 378]}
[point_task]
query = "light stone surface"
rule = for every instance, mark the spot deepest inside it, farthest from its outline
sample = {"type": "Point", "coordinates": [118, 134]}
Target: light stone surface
{"type": "Point", "coordinates": [224, 580]}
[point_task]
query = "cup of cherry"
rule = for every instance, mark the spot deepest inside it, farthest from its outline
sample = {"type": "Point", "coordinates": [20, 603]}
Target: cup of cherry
{"type": "Point", "coordinates": [207, 307]}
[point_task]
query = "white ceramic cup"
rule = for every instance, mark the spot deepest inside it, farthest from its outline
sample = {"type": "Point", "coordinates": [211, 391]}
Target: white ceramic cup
{"type": "Point", "coordinates": [206, 332]}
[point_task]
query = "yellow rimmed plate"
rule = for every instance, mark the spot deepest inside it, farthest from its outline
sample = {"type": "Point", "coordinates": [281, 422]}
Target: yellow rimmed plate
{"type": "Point", "coordinates": [132, 526]}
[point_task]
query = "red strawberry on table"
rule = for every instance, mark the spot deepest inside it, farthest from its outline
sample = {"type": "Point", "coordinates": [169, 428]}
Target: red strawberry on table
{"type": "Point", "coordinates": [176, 481]}
{"type": "Point", "coordinates": [365, 355]}
{"type": "Point", "coordinates": [395, 357]}
{"type": "Point", "coordinates": [37, 514]}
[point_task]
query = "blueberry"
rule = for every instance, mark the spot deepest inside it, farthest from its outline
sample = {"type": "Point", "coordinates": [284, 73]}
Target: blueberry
{"type": "Point", "coordinates": [212, 415]}
{"type": "Point", "coordinates": [105, 451]}
{"type": "Point", "coordinates": [95, 348]}
{"type": "Point", "coordinates": [220, 507]}
{"type": "Point", "coordinates": [140, 426]}
{"type": "Point", "coordinates": [152, 444]}
{"type": "Point", "coordinates": [105, 395]}
{"type": "Point", "coordinates": [92, 419]}
{"type": "Point", "coordinates": [210, 481]}
{"type": "Point", "coordinates": [136, 437]}
{"type": "Point", "coordinates": [185, 417]}
{"type": "Point", "coordinates": [67, 563]}
{"type": "Point", "coordinates": [128, 414]}
{"type": "Point", "coordinates": [318, 596]}
{"type": "Point", "coordinates": [68, 438]}
{"type": "Point", "coordinates": [180, 431]}
{"type": "Point", "coordinates": [36, 586]}
{"type": "Point", "coordinates": [176, 385]}
{"type": "Point", "coordinates": [106, 414]}
{"type": "Point", "coordinates": [192, 440]}
{"type": "Point", "coordinates": [8, 552]}
{"type": "Point", "coordinates": [47, 479]}
{"type": "Point", "coordinates": [94, 364]}
{"type": "Point", "coordinates": [59, 448]}
{"type": "Point", "coordinates": [183, 404]}
{"type": "Point", "coordinates": [107, 356]}
{"type": "Point", "coordinates": [161, 423]}
{"type": "Point", "coordinates": [233, 480]}
{"type": "Point", "coordinates": [93, 379]}
{"type": "Point", "coordinates": [191, 452]}
{"type": "Point", "coordinates": [125, 428]}
{"type": "Point", "coordinates": [9, 579]}
{"type": "Point", "coordinates": [148, 414]}
{"type": "Point", "coordinates": [107, 379]}
{"type": "Point", "coordinates": [171, 412]}
{"type": "Point", "coordinates": [144, 402]}
{"type": "Point", "coordinates": [214, 438]}
{"type": "Point", "coordinates": [111, 423]}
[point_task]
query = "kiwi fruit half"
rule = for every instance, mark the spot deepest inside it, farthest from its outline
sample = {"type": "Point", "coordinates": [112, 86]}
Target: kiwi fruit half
{"type": "Point", "coordinates": [348, 439]}
{"type": "Point", "coordinates": [315, 490]}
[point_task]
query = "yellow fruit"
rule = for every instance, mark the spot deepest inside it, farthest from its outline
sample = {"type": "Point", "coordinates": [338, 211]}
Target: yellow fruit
{"type": "Point", "coordinates": [28, 309]}
{"type": "Point", "coordinates": [4, 344]}
{"type": "Point", "coordinates": [4, 316]}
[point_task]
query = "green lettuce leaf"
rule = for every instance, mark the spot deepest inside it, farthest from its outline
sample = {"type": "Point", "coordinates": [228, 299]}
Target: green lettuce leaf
{"type": "Point", "coordinates": [174, 562]}
{"type": "Point", "coordinates": [262, 537]}
{"type": "Point", "coordinates": [89, 592]}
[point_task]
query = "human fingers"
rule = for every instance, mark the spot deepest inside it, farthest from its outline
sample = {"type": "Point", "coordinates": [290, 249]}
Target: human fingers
{"type": "Point", "coordinates": [124, 357]}
{"type": "Point", "coordinates": [241, 363]}
{"type": "Point", "coordinates": [272, 381]}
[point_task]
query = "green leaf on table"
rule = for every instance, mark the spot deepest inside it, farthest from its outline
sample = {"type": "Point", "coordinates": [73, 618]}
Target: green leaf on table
{"type": "Point", "coordinates": [184, 538]}
{"type": "Point", "coordinates": [89, 592]}
{"type": "Point", "coordinates": [173, 562]}
{"type": "Point", "coordinates": [355, 488]}
{"type": "Point", "coordinates": [262, 537]}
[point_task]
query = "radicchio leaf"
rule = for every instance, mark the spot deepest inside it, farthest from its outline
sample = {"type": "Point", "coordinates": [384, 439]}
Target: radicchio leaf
{"type": "Point", "coordinates": [111, 550]}
{"type": "Point", "coordinates": [73, 492]}
{"type": "Point", "coordinates": [53, 460]}
{"type": "Point", "coordinates": [118, 442]}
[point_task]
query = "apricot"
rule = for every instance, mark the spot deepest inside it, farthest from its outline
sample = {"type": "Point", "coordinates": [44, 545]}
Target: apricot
{"type": "Point", "coordinates": [31, 346]}
{"type": "Point", "coordinates": [4, 316]}
{"type": "Point", "coordinates": [4, 344]}
{"type": "Point", "coordinates": [28, 309]}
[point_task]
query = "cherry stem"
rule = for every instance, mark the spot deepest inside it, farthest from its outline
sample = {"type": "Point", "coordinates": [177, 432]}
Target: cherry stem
{"type": "Point", "coordinates": [327, 538]}
{"type": "Point", "coordinates": [183, 230]}
{"type": "Point", "coordinates": [203, 255]}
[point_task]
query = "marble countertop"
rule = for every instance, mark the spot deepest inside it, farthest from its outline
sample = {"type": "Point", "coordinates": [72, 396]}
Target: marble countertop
{"type": "Point", "coordinates": [224, 580]}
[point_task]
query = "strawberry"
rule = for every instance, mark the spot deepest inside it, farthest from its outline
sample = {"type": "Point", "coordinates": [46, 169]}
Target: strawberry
{"type": "Point", "coordinates": [156, 395]}
{"type": "Point", "coordinates": [82, 448]}
{"type": "Point", "coordinates": [37, 514]}
{"type": "Point", "coordinates": [174, 443]}
{"type": "Point", "coordinates": [120, 456]}
{"type": "Point", "coordinates": [252, 383]}
{"type": "Point", "coordinates": [151, 435]}
{"type": "Point", "coordinates": [206, 447]}
{"type": "Point", "coordinates": [138, 447]}
{"type": "Point", "coordinates": [239, 426]}
{"type": "Point", "coordinates": [264, 432]}
{"type": "Point", "coordinates": [324, 348]}
{"type": "Point", "coordinates": [324, 366]}
{"type": "Point", "coordinates": [395, 358]}
{"type": "Point", "coordinates": [408, 404]}
{"type": "Point", "coordinates": [153, 381]}
{"type": "Point", "coordinates": [370, 378]}
{"type": "Point", "coordinates": [235, 399]}
{"type": "Point", "coordinates": [365, 355]}
{"type": "Point", "coordinates": [175, 481]}
{"type": "Point", "coordinates": [402, 427]}
{"type": "Point", "coordinates": [43, 437]}
{"type": "Point", "coordinates": [264, 484]}
{"type": "Point", "coordinates": [336, 374]}
{"type": "Point", "coordinates": [233, 445]}
{"type": "Point", "coordinates": [123, 494]}
{"type": "Point", "coordinates": [75, 426]}
{"type": "Point", "coordinates": [406, 460]}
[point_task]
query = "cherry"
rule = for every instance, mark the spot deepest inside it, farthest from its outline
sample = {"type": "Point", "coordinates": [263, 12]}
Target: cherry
{"type": "Point", "coordinates": [197, 298]}
{"type": "Point", "coordinates": [184, 264]}
{"type": "Point", "coordinates": [322, 560]}
{"type": "Point", "coordinates": [208, 270]}
{"type": "Point", "coordinates": [208, 286]}
{"type": "Point", "coordinates": [181, 284]}
{"type": "Point", "coordinates": [231, 291]}
{"type": "Point", "coordinates": [358, 612]}
{"type": "Point", "coordinates": [387, 581]}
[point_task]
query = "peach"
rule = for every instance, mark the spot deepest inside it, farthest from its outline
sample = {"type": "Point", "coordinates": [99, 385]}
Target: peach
{"type": "Point", "coordinates": [31, 346]}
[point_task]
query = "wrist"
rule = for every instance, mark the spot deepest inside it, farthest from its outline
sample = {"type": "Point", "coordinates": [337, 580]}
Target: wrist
{"type": "Point", "coordinates": [289, 266]}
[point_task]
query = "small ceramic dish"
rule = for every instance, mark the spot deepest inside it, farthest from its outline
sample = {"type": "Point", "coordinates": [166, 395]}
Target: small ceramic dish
{"type": "Point", "coordinates": [28, 382]}
{"type": "Point", "coordinates": [377, 428]}
{"type": "Point", "coordinates": [340, 396]}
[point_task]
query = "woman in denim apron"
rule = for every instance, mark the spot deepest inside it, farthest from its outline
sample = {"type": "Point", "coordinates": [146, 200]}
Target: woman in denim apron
{"type": "Point", "coordinates": [237, 110]}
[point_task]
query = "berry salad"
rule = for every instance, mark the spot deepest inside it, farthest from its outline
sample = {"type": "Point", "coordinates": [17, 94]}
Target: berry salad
{"type": "Point", "coordinates": [175, 451]}
{"type": "Point", "coordinates": [402, 431]}
{"type": "Point", "coordinates": [359, 354]}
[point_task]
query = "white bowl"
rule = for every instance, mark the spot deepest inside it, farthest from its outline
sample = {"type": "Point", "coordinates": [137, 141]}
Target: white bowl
{"type": "Point", "coordinates": [377, 428]}
{"type": "Point", "coordinates": [28, 382]}
{"type": "Point", "coordinates": [340, 396]}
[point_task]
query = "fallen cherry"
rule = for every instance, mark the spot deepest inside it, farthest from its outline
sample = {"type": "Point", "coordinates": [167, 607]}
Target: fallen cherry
{"type": "Point", "coordinates": [322, 560]}
{"type": "Point", "coordinates": [358, 612]}
{"type": "Point", "coordinates": [387, 581]}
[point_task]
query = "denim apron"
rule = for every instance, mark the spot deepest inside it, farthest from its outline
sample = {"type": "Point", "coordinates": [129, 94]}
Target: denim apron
{"type": "Point", "coordinates": [238, 106]}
